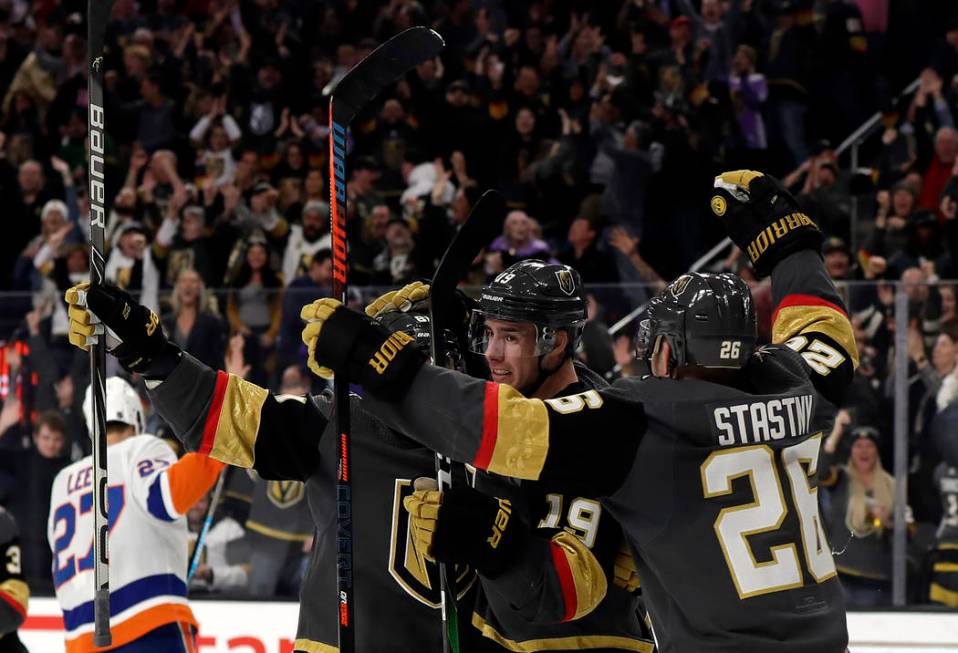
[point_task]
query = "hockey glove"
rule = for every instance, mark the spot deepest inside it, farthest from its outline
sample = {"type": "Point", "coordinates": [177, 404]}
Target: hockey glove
{"type": "Point", "coordinates": [626, 571]}
{"type": "Point", "coordinates": [399, 300]}
{"type": "Point", "coordinates": [133, 332]}
{"type": "Point", "coordinates": [762, 218]}
{"type": "Point", "coordinates": [464, 526]}
{"type": "Point", "coordinates": [343, 340]}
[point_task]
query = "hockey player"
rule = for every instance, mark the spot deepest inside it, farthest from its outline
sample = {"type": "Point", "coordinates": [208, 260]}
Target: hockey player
{"type": "Point", "coordinates": [285, 437]}
{"type": "Point", "coordinates": [14, 592]}
{"type": "Point", "coordinates": [692, 462]}
{"type": "Point", "coordinates": [150, 492]}
{"type": "Point", "coordinates": [528, 323]}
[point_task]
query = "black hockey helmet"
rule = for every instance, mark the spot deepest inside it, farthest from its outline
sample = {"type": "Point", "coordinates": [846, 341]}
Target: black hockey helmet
{"type": "Point", "coordinates": [707, 319]}
{"type": "Point", "coordinates": [547, 295]}
{"type": "Point", "coordinates": [416, 323]}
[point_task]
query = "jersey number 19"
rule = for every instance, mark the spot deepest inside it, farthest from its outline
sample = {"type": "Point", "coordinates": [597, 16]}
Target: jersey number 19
{"type": "Point", "coordinates": [766, 513]}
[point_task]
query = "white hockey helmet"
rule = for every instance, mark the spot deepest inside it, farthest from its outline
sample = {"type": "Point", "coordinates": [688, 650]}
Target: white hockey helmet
{"type": "Point", "coordinates": [122, 405]}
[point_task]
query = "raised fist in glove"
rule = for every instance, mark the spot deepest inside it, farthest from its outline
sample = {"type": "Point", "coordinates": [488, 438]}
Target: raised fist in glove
{"type": "Point", "coordinates": [762, 218]}
{"type": "Point", "coordinates": [462, 525]}
{"type": "Point", "coordinates": [133, 332]}
{"type": "Point", "coordinates": [342, 340]}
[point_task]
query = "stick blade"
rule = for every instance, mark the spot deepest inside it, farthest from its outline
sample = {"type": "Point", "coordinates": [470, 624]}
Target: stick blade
{"type": "Point", "coordinates": [382, 67]}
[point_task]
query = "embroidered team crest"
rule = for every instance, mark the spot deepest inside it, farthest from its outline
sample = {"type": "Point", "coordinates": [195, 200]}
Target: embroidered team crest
{"type": "Point", "coordinates": [408, 566]}
{"type": "Point", "coordinates": [285, 494]}
{"type": "Point", "coordinates": [679, 285]}
{"type": "Point", "coordinates": [566, 282]}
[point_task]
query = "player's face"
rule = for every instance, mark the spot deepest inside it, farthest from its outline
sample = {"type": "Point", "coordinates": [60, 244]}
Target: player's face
{"type": "Point", "coordinates": [511, 353]}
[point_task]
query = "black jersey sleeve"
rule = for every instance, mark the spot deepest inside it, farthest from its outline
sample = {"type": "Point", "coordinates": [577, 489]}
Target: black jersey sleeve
{"type": "Point", "coordinates": [810, 318]}
{"type": "Point", "coordinates": [583, 440]}
{"type": "Point", "coordinates": [14, 592]}
{"type": "Point", "coordinates": [240, 423]}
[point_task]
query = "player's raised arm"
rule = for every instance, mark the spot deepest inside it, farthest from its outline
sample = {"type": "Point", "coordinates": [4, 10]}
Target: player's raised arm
{"type": "Point", "coordinates": [488, 425]}
{"type": "Point", "coordinates": [764, 220]}
{"type": "Point", "coordinates": [212, 412]}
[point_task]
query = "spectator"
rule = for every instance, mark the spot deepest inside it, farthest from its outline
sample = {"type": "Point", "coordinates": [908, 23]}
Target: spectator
{"type": "Point", "coordinates": [254, 309]}
{"type": "Point", "coordinates": [191, 323]}
{"type": "Point", "coordinates": [42, 70]}
{"type": "Point", "coordinates": [130, 264]}
{"type": "Point", "coordinates": [361, 189]}
{"type": "Point", "coordinates": [260, 218]}
{"type": "Point", "coordinates": [860, 515]}
{"type": "Point", "coordinates": [517, 241]}
{"type": "Point", "coordinates": [216, 133]}
{"type": "Point", "coordinates": [26, 480]}
{"type": "Point", "coordinates": [367, 239]}
{"type": "Point", "coordinates": [186, 244]}
{"type": "Point", "coordinates": [827, 200]}
{"type": "Point", "coordinates": [895, 208]}
{"type": "Point", "coordinates": [316, 283]}
{"type": "Point", "coordinates": [939, 168]}
{"type": "Point", "coordinates": [581, 253]}
{"type": "Point", "coordinates": [225, 563]}
{"type": "Point", "coordinates": [397, 263]}
{"type": "Point", "coordinates": [306, 239]}
{"type": "Point", "coordinates": [749, 91]}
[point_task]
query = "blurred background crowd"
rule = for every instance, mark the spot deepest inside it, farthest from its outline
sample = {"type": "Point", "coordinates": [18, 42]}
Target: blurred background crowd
{"type": "Point", "coordinates": [602, 123]}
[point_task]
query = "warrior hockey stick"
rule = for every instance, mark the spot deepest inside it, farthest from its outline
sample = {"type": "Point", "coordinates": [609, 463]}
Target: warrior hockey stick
{"type": "Point", "coordinates": [207, 522]}
{"type": "Point", "coordinates": [481, 226]}
{"type": "Point", "coordinates": [379, 70]}
{"type": "Point", "coordinates": [98, 11]}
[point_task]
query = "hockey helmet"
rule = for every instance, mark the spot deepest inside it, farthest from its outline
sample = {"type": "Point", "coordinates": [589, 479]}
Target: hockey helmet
{"type": "Point", "coordinates": [547, 295]}
{"type": "Point", "coordinates": [416, 323]}
{"type": "Point", "coordinates": [122, 405]}
{"type": "Point", "coordinates": [707, 319]}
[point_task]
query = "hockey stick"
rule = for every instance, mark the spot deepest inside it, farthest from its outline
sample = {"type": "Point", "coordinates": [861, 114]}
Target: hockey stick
{"type": "Point", "coordinates": [207, 522]}
{"type": "Point", "coordinates": [98, 11]}
{"type": "Point", "coordinates": [367, 79]}
{"type": "Point", "coordinates": [481, 226]}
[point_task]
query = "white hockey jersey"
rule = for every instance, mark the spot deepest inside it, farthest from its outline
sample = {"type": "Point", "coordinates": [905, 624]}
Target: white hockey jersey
{"type": "Point", "coordinates": [149, 492]}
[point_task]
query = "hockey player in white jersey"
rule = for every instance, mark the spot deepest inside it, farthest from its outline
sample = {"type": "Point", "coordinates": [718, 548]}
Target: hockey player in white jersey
{"type": "Point", "coordinates": [149, 493]}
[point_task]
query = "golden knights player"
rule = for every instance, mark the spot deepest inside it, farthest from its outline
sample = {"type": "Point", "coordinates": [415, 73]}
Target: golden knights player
{"type": "Point", "coordinates": [285, 437]}
{"type": "Point", "coordinates": [709, 466]}
{"type": "Point", "coordinates": [14, 593]}
{"type": "Point", "coordinates": [527, 323]}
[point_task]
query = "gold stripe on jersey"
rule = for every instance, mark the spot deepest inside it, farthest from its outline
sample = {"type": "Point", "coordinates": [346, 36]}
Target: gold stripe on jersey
{"type": "Point", "coordinates": [570, 643]}
{"type": "Point", "coordinates": [946, 567]}
{"type": "Point", "coordinates": [276, 534]}
{"type": "Point", "coordinates": [940, 594]}
{"type": "Point", "coordinates": [238, 423]}
{"type": "Point", "coordinates": [309, 646]}
{"type": "Point", "coordinates": [792, 321]}
{"type": "Point", "coordinates": [587, 576]}
{"type": "Point", "coordinates": [17, 590]}
{"type": "Point", "coordinates": [522, 436]}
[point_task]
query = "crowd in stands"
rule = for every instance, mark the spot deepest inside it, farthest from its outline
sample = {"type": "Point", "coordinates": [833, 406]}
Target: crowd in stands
{"type": "Point", "coordinates": [602, 124]}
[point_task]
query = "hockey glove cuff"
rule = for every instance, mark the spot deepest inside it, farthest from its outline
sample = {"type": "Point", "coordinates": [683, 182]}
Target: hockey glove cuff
{"type": "Point", "coordinates": [133, 331]}
{"type": "Point", "coordinates": [346, 341]}
{"type": "Point", "coordinates": [762, 218]}
{"type": "Point", "coordinates": [464, 526]}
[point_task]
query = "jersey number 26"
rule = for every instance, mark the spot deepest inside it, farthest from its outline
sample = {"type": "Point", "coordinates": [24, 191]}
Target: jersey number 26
{"type": "Point", "coordinates": [766, 513]}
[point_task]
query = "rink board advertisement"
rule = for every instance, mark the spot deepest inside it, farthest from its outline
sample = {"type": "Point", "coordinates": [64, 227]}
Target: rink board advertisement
{"type": "Point", "coordinates": [270, 627]}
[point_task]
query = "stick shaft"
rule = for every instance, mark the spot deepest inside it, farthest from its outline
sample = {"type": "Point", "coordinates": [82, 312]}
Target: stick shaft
{"type": "Point", "coordinates": [207, 523]}
{"type": "Point", "coordinates": [98, 11]}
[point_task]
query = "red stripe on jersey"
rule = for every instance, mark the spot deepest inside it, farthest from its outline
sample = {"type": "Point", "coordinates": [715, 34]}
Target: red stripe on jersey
{"type": "Point", "coordinates": [566, 582]}
{"type": "Point", "coordinates": [798, 299]}
{"type": "Point", "coordinates": [213, 414]}
{"type": "Point", "coordinates": [15, 604]}
{"type": "Point", "coordinates": [490, 426]}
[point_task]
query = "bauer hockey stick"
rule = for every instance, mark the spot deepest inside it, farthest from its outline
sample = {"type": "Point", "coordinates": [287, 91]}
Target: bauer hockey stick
{"type": "Point", "coordinates": [357, 88]}
{"type": "Point", "coordinates": [481, 226]}
{"type": "Point", "coordinates": [207, 522]}
{"type": "Point", "coordinates": [98, 12]}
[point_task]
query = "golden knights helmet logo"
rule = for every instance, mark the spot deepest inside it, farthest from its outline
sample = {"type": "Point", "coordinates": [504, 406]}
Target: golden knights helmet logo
{"type": "Point", "coordinates": [285, 494]}
{"type": "Point", "coordinates": [678, 286]}
{"type": "Point", "coordinates": [566, 282]}
{"type": "Point", "coordinates": [408, 566]}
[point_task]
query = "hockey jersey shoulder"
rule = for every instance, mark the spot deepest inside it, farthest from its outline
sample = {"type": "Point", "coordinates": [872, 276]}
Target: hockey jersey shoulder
{"type": "Point", "coordinates": [8, 527]}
